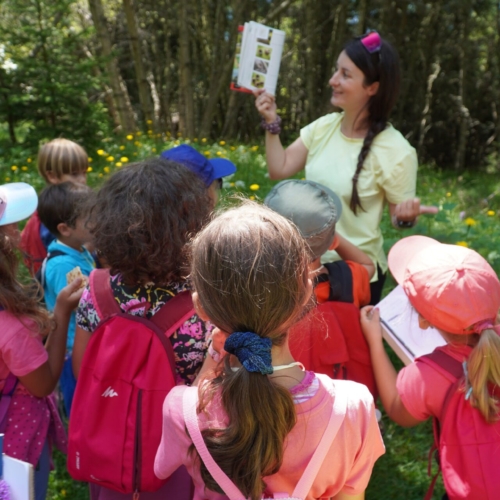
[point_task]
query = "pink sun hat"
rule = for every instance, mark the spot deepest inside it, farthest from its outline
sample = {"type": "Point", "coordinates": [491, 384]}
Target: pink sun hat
{"type": "Point", "coordinates": [452, 287]}
{"type": "Point", "coordinates": [18, 201]}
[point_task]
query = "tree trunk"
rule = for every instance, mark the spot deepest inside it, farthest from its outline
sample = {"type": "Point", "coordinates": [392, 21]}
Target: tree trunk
{"type": "Point", "coordinates": [127, 121]}
{"type": "Point", "coordinates": [186, 89]}
{"type": "Point", "coordinates": [362, 15]}
{"type": "Point", "coordinates": [140, 72]}
{"type": "Point", "coordinates": [424, 127]}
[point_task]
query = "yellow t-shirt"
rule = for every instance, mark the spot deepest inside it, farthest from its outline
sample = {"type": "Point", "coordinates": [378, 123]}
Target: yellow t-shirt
{"type": "Point", "coordinates": [389, 174]}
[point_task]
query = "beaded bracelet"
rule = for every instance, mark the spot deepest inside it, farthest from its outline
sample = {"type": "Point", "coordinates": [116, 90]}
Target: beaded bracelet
{"type": "Point", "coordinates": [273, 127]}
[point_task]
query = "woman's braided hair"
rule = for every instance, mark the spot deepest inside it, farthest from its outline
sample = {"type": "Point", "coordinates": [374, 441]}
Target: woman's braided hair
{"type": "Point", "coordinates": [382, 67]}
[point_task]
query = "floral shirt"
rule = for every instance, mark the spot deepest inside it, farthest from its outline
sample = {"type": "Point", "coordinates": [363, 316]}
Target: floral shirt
{"type": "Point", "coordinates": [189, 341]}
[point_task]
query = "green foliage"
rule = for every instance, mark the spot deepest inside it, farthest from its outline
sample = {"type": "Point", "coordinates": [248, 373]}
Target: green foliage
{"type": "Point", "coordinates": [46, 76]}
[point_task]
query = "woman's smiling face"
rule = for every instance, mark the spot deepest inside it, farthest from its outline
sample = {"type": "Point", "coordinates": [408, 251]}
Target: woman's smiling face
{"type": "Point", "coordinates": [350, 92]}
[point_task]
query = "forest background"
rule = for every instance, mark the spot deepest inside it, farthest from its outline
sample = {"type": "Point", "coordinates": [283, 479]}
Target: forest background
{"type": "Point", "coordinates": [88, 70]}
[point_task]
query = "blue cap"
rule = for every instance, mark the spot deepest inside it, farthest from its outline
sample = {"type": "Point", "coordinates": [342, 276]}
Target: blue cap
{"type": "Point", "coordinates": [207, 170]}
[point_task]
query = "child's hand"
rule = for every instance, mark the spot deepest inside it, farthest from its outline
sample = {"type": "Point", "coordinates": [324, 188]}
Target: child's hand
{"type": "Point", "coordinates": [266, 105]}
{"type": "Point", "coordinates": [370, 324]}
{"type": "Point", "coordinates": [69, 297]}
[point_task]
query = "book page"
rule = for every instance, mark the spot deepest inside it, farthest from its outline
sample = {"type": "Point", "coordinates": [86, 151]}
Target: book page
{"type": "Point", "coordinates": [260, 57]}
{"type": "Point", "coordinates": [400, 328]}
{"type": "Point", "coordinates": [20, 478]}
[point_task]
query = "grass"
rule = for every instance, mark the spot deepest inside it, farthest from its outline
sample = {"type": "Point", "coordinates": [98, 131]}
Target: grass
{"type": "Point", "coordinates": [469, 215]}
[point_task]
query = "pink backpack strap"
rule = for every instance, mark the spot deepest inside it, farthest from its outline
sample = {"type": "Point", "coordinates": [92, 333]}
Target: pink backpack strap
{"type": "Point", "coordinates": [189, 403]}
{"type": "Point", "coordinates": [102, 295]}
{"type": "Point", "coordinates": [444, 363]}
{"type": "Point", "coordinates": [174, 313]}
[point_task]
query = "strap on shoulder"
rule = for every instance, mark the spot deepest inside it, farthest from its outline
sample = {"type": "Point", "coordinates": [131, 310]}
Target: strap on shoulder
{"type": "Point", "coordinates": [7, 391]}
{"type": "Point", "coordinates": [340, 276]}
{"type": "Point", "coordinates": [336, 418]}
{"type": "Point", "coordinates": [441, 359]}
{"type": "Point", "coordinates": [102, 295]}
{"type": "Point", "coordinates": [174, 312]}
{"type": "Point", "coordinates": [189, 404]}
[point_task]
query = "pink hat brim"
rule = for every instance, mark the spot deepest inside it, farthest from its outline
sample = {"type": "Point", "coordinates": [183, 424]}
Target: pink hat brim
{"type": "Point", "coordinates": [402, 252]}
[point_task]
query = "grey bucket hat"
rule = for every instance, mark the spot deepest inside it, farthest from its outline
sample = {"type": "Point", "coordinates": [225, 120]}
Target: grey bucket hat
{"type": "Point", "coordinates": [312, 207]}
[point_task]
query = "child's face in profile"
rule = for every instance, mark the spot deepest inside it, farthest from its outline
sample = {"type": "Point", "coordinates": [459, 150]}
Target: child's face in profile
{"type": "Point", "coordinates": [79, 178]}
{"type": "Point", "coordinates": [11, 231]}
{"type": "Point", "coordinates": [214, 190]}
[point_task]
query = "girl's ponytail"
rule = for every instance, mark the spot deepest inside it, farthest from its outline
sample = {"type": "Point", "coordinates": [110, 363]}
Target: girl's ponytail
{"type": "Point", "coordinates": [375, 128]}
{"type": "Point", "coordinates": [483, 368]}
{"type": "Point", "coordinates": [260, 414]}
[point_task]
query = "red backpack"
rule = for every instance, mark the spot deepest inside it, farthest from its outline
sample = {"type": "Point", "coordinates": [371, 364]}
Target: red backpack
{"type": "Point", "coordinates": [329, 338]}
{"type": "Point", "coordinates": [32, 246]}
{"type": "Point", "coordinates": [468, 447]}
{"type": "Point", "coordinates": [127, 371]}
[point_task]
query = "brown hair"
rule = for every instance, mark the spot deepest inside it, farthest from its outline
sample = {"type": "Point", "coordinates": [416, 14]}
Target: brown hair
{"type": "Point", "coordinates": [483, 367]}
{"type": "Point", "coordinates": [143, 216]}
{"type": "Point", "coordinates": [60, 157]}
{"type": "Point", "coordinates": [23, 301]}
{"type": "Point", "coordinates": [249, 267]}
{"type": "Point", "coordinates": [64, 203]}
{"type": "Point", "coordinates": [383, 67]}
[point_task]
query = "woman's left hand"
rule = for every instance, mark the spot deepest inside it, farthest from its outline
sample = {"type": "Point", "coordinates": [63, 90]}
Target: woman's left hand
{"type": "Point", "coordinates": [409, 210]}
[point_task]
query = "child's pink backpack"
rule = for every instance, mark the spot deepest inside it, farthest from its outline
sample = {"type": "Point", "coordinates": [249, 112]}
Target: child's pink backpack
{"type": "Point", "coordinates": [127, 371]}
{"type": "Point", "coordinates": [189, 405]}
{"type": "Point", "coordinates": [468, 446]}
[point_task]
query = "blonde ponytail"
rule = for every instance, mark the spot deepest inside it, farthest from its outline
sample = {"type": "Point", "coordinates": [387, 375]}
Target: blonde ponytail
{"type": "Point", "coordinates": [484, 372]}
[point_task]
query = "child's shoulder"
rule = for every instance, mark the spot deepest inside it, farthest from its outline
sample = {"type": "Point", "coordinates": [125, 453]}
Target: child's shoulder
{"type": "Point", "coordinates": [357, 394]}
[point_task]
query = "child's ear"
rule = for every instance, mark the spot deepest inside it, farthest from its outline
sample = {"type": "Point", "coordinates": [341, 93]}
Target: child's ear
{"type": "Point", "coordinates": [199, 308]}
{"type": "Point", "coordinates": [63, 229]}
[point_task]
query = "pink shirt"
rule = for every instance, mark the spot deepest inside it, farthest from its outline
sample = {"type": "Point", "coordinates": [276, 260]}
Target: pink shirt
{"type": "Point", "coordinates": [21, 348]}
{"type": "Point", "coordinates": [347, 467]}
{"type": "Point", "coordinates": [422, 388]}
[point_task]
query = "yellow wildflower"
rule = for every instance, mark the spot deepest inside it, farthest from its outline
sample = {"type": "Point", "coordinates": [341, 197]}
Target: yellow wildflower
{"type": "Point", "coordinates": [124, 159]}
{"type": "Point", "coordinates": [137, 143]}
{"type": "Point", "coordinates": [24, 168]}
{"type": "Point", "coordinates": [207, 153]}
{"type": "Point", "coordinates": [149, 122]}
{"type": "Point", "coordinates": [101, 152]}
{"type": "Point", "coordinates": [154, 150]}
{"type": "Point", "coordinates": [222, 143]}
{"type": "Point", "coordinates": [7, 179]}
{"type": "Point", "coordinates": [106, 169]}
{"type": "Point", "coordinates": [89, 169]}
{"type": "Point", "coordinates": [254, 187]}
{"type": "Point", "coordinates": [150, 132]}
{"type": "Point", "coordinates": [491, 213]}
{"type": "Point", "coordinates": [204, 139]}
{"type": "Point", "coordinates": [89, 159]}
{"type": "Point", "coordinates": [470, 221]}
{"type": "Point", "coordinates": [118, 164]}
{"type": "Point", "coordinates": [195, 139]}
{"type": "Point", "coordinates": [448, 195]}
{"type": "Point", "coordinates": [29, 160]}
{"type": "Point", "coordinates": [130, 137]}
{"type": "Point", "coordinates": [462, 244]}
{"type": "Point", "coordinates": [13, 168]}
{"type": "Point", "coordinates": [254, 148]}
{"type": "Point", "coordinates": [231, 184]}
{"type": "Point", "coordinates": [100, 175]}
{"type": "Point", "coordinates": [110, 158]}
{"type": "Point", "coordinates": [138, 133]}
{"type": "Point", "coordinates": [252, 197]}
{"type": "Point", "coordinates": [219, 153]}
{"type": "Point", "coordinates": [177, 142]}
{"type": "Point", "coordinates": [122, 148]}
{"type": "Point", "coordinates": [179, 134]}
{"type": "Point", "coordinates": [233, 148]}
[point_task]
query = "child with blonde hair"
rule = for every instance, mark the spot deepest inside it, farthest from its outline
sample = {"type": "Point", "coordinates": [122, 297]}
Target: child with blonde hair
{"type": "Point", "coordinates": [454, 290]}
{"type": "Point", "coordinates": [59, 161]}
{"type": "Point", "coordinates": [262, 424]}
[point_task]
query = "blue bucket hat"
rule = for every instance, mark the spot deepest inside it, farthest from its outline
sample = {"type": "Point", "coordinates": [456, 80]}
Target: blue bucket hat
{"type": "Point", "coordinates": [207, 170]}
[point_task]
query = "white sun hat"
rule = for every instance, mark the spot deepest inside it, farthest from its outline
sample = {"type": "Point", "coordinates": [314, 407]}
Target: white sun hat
{"type": "Point", "coordinates": [18, 201]}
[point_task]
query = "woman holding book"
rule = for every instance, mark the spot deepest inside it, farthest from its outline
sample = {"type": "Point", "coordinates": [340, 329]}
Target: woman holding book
{"type": "Point", "coordinates": [357, 152]}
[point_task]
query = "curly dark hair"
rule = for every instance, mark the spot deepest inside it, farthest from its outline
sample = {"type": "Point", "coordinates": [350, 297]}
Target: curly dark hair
{"type": "Point", "coordinates": [143, 217]}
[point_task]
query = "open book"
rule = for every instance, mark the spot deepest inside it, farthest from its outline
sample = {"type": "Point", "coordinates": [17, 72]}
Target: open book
{"type": "Point", "coordinates": [258, 58]}
{"type": "Point", "coordinates": [400, 328]}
